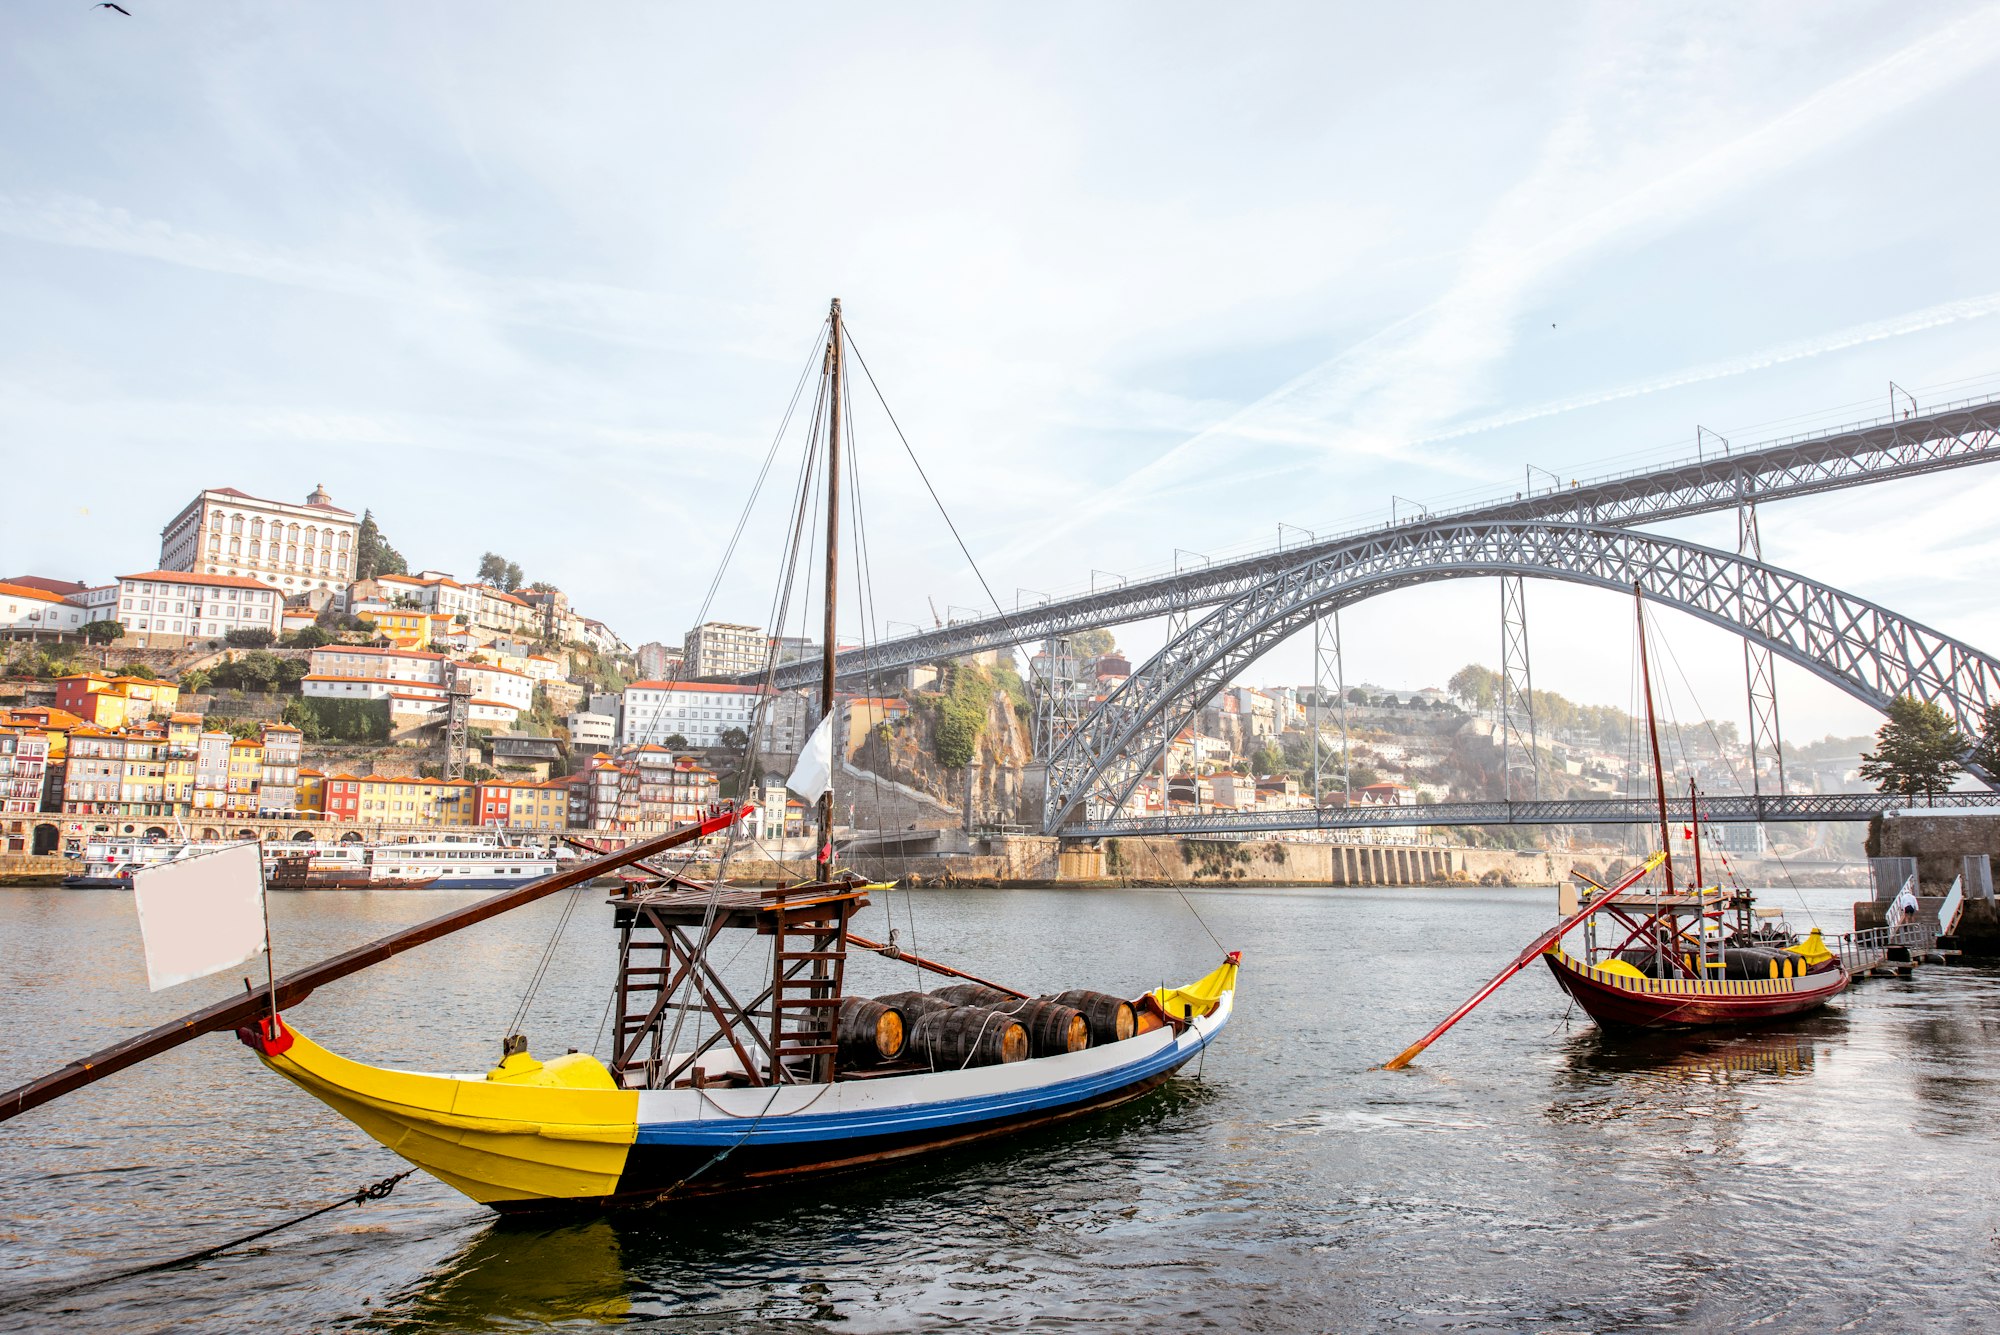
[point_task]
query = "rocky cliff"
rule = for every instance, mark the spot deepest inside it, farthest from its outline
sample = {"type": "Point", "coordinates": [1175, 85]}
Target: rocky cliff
{"type": "Point", "coordinates": [906, 751]}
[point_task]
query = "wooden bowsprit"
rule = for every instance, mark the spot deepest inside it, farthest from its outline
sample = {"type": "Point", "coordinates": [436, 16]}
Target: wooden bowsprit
{"type": "Point", "coordinates": [1521, 961]}
{"type": "Point", "coordinates": [296, 987]}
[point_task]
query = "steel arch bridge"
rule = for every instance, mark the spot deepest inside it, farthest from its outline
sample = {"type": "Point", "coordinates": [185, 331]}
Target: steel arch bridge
{"type": "Point", "coordinates": [1856, 645]}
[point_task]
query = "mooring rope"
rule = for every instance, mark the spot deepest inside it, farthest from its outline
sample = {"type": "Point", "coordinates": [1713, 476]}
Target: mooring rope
{"type": "Point", "coordinates": [373, 1192]}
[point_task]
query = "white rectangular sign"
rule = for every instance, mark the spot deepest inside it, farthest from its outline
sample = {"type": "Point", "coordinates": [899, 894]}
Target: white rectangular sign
{"type": "Point", "coordinates": [201, 914]}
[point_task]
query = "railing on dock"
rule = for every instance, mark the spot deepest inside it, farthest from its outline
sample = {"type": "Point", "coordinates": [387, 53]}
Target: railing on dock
{"type": "Point", "coordinates": [1863, 950]}
{"type": "Point", "coordinates": [1917, 936]}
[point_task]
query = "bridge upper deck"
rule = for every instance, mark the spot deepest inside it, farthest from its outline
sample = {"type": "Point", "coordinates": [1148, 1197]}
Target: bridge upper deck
{"type": "Point", "coordinates": [1952, 436]}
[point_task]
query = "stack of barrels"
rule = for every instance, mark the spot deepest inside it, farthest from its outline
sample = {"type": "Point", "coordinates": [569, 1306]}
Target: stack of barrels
{"type": "Point", "coordinates": [970, 1024]}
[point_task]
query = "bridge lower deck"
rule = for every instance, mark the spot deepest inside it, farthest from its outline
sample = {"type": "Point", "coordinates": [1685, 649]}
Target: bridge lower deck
{"type": "Point", "coordinates": [1601, 811]}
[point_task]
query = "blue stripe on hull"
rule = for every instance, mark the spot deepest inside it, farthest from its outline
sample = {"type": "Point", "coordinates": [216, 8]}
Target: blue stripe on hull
{"type": "Point", "coordinates": [781, 1129]}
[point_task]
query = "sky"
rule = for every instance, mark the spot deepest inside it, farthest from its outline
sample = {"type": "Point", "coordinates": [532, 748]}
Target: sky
{"type": "Point", "coordinates": [1133, 278]}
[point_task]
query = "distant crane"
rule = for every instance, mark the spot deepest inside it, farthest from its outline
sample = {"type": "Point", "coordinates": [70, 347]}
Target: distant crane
{"type": "Point", "coordinates": [935, 618]}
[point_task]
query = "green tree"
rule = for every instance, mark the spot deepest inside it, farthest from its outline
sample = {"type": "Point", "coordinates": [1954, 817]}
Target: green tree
{"type": "Point", "coordinates": [250, 637]}
{"type": "Point", "coordinates": [1091, 645]}
{"type": "Point", "coordinates": [372, 553]}
{"type": "Point", "coordinates": [142, 671]}
{"type": "Point", "coordinates": [104, 632]}
{"type": "Point", "coordinates": [1477, 686]}
{"type": "Point", "coordinates": [194, 681]}
{"type": "Point", "coordinates": [676, 742]}
{"type": "Point", "coordinates": [1916, 752]}
{"type": "Point", "coordinates": [301, 715]}
{"type": "Point", "coordinates": [1985, 752]}
{"type": "Point", "coordinates": [501, 573]}
{"type": "Point", "coordinates": [309, 637]}
{"type": "Point", "coordinates": [962, 716]}
{"type": "Point", "coordinates": [1268, 760]}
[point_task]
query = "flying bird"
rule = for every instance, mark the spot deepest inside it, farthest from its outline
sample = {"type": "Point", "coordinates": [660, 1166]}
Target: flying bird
{"type": "Point", "coordinates": [108, 5]}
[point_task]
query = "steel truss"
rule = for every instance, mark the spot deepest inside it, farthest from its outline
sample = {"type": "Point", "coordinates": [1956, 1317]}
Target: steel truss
{"type": "Point", "coordinates": [1519, 747]}
{"type": "Point", "coordinates": [1742, 810]}
{"type": "Point", "coordinates": [1858, 646]}
{"type": "Point", "coordinates": [1953, 436]}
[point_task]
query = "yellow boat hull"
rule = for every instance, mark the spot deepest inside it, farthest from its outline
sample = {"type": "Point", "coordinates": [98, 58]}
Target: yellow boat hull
{"type": "Point", "coordinates": [494, 1140]}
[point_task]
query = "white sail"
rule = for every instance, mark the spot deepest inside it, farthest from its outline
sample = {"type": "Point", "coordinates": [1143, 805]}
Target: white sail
{"type": "Point", "coordinates": [200, 915]}
{"type": "Point", "coordinates": [813, 775]}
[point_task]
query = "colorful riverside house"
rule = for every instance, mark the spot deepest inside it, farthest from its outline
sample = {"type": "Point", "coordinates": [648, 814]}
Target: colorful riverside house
{"type": "Point", "coordinates": [109, 701]}
{"type": "Point", "coordinates": [406, 628]}
{"type": "Point", "coordinates": [402, 800]}
{"type": "Point", "coordinates": [312, 790]}
{"type": "Point", "coordinates": [246, 775]}
{"type": "Point", "coordinates": [183, 755]}
{"type": "Point", "coordinates": [343, 797]}
{"type": "Point", "coordinates": [278, 776]}
{"type": "Point", "coordinates": [24, 763]}
{"type": "Point", "coordinates": [524, 806]}
{"type": "Point", "coordinates": [211, 772]}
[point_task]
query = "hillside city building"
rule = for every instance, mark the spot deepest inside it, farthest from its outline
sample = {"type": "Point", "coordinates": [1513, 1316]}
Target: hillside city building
{"type": "Point", "coordinates": [291, 547]}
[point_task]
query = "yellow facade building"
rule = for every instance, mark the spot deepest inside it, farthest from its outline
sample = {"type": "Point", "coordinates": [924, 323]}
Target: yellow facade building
{"type": "Point", "coordinates": [406, 628]}
{"type": "Point", "coordinates": [246, 773]}
{"type": "Point", "coordinates": [401, 800]}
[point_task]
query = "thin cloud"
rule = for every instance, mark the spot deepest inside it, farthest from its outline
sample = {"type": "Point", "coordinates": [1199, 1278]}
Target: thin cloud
{"type": "Point", "coordinates": [1392, 389]}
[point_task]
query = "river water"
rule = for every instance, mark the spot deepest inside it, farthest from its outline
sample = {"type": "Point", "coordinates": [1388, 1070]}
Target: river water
{"type": "Point", "coordinates": [1527, 1173]}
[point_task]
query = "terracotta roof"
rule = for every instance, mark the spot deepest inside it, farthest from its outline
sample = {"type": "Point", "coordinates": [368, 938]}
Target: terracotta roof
{"type": "Point", "coordinates": [62, 588]}
{"type": "Point", "coordinates": [212, 581]}
{"type": "Point", "coordinates": [486, 667]}
{"type": "Point", "coordinates": [9, 589]}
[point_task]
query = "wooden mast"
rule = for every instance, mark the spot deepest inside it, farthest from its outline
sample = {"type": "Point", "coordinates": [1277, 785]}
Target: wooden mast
{"type": "Point", "coordinates": [1694, 826]}
{"type": "Point", "coordinates": [1653, 732]}
{"type": "Point", "coordinates": [836, 387]}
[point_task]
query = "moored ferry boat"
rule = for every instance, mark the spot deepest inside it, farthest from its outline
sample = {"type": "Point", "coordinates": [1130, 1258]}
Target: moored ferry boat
{"type": "Point", "coordinates": [108, 864]}
{"type": "Point", "coordinates": [332, 867]}
{"type": "Point", "coordinates": [449, 865]}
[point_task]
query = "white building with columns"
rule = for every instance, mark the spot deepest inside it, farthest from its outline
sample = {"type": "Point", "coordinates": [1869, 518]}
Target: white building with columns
{"type": "Point", "coordinates": [291, 546]}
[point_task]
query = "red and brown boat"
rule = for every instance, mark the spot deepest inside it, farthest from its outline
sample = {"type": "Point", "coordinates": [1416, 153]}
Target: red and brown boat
{"type": "Point", "coordinates": [1675, 965]}
{"type": "Point", "coordinates": [1677, 957]}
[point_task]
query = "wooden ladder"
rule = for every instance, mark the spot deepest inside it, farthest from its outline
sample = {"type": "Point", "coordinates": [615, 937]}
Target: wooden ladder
{"type": "Point", "coordinates": [809, 964]}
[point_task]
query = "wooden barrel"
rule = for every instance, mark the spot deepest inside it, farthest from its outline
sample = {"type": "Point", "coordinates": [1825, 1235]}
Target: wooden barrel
{"type": "Point", "coordinates": [1052, 1028]}
{"type": "Point", "coordinates": [869, 1032]}
{"type": "Point", "coordinates": [958, 1036]}
{"type": "Point", "coordinates": [1111, 1020]}
{"type": "Point", "coordinates": [976, 994]}
{"type": "Point", "coordinates": [915, 1004]}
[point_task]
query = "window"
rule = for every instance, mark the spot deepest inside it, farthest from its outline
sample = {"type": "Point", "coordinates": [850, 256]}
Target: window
{"type": "Point", "coordinates": [236, 524]}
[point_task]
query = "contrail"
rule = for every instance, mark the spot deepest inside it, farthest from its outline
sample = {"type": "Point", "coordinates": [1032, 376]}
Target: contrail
{"type": "Point", "coordinates": [1913, 322]}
